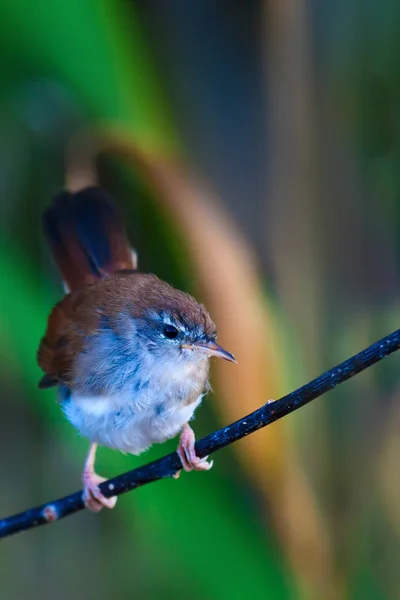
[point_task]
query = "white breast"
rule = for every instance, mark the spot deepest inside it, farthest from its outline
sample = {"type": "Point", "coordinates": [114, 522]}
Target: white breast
{"type": "Point", "coordinates": [125, 423]}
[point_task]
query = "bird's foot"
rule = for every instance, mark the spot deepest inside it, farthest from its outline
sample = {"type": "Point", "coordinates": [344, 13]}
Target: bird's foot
{"type": "Point", "coordinates": [189, 459]}
{"type": "Point", "coordinates": [93, 499]}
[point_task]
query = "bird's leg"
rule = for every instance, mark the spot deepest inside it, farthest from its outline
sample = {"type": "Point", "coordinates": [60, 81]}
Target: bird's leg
{"type": "Point", "coordinates": [187, 454]}
{"type": "Point", "coordinates": [92, 497]}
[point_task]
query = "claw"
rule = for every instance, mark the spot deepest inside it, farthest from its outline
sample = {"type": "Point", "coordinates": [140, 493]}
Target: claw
{"type": "Point", "coordinates": [187, 453]}
{"type": "Point", "coordinates": [93, 499]}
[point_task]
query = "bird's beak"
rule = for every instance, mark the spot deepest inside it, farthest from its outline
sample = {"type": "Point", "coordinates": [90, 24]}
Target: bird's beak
{"type": "Point", "coordinates": [211, 349]}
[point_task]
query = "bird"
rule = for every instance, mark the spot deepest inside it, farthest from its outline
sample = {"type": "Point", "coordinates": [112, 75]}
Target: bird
{"type": "Point", "coordinates": [128, 352]}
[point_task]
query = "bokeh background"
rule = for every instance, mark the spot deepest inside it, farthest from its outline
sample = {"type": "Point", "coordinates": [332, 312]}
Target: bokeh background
{"type": "Point", "coordinates": [254, 148]}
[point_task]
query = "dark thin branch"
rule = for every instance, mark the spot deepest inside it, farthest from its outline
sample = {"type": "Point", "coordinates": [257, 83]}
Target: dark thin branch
{"type": "Point", "coordinates": [169, 465]}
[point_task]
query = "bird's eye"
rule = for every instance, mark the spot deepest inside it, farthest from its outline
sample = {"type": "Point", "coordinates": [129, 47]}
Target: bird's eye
{"type": "Point", "coordinates": [170, 332]}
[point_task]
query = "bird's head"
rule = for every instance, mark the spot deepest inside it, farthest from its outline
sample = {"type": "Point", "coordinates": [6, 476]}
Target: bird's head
{"type": "Point", "coordinates": [172, 324]}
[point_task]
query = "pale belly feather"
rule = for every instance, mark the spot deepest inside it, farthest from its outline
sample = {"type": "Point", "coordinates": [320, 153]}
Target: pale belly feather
{"type": "Point", "coordinates": [125, 425]}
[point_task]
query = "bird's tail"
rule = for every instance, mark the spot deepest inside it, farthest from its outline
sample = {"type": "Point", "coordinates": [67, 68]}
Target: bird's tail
{"type": "Point", "coordinates": [87, 237]}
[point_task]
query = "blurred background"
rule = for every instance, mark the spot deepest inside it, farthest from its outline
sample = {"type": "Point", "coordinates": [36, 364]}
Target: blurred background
{"type": "Point", "coordinates": [254, 148]}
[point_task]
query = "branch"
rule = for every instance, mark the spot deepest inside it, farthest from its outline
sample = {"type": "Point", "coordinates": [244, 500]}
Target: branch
{"type": "Point", "coordinates": [169, 465]}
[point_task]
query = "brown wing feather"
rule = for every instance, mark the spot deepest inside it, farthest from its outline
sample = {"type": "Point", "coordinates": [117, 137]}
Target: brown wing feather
{"type": "Point", "coordinates": [60, 344]}
{"type": "Point", "coordinates": [75, 317]}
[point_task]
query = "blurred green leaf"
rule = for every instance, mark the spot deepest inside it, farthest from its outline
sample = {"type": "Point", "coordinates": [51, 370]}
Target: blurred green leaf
{"type": "Point", "coordinates": [96, 49]}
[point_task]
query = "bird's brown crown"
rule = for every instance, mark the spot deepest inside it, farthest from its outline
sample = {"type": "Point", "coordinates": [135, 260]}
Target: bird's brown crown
{"type": "Point", "coordinates": [139, 294]}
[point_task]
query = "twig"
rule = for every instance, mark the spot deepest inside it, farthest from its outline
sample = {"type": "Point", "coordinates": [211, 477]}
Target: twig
{"type": "Point", "coordinates": [169, 465]}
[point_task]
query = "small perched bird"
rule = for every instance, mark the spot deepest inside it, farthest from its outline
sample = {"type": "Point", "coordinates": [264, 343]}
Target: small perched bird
{"type": "Point", "coordinates": [128, 352]}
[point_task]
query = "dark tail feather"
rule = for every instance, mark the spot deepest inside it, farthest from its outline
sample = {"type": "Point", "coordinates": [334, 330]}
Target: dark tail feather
{"type": "Point", "coordinates": [87, 237]}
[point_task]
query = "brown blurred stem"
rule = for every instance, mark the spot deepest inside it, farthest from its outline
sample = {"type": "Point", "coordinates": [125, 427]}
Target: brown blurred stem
{"type": "Point", "coordinates": [169, 465]}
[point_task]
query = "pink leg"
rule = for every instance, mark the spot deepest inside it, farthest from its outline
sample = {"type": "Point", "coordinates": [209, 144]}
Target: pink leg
{"type": "Point", "coordinates": [92, 497]}
{"type": "Point", "coordinates": [187, 454]}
